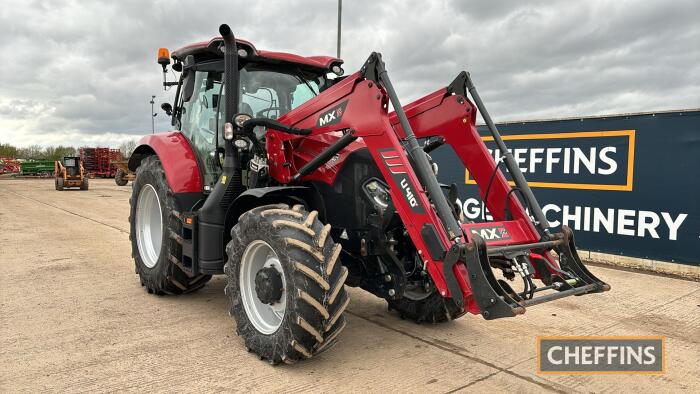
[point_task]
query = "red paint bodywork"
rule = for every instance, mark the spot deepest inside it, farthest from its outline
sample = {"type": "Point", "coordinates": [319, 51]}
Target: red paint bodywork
{"type": "Point", "coordinates": [320, 62]}
{"type": "Point", "coordinates": [183, 173]}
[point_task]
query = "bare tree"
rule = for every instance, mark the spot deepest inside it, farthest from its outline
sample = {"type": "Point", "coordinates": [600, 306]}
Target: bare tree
{"type": "Point", "coordinates": [127, 147]}
{"type": "Point", "coordinates": [58, 152]}
{"type": "Point", "coordinates": [30, 152]}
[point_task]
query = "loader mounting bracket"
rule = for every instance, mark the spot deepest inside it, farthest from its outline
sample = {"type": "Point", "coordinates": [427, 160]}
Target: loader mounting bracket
{"type": "Point", "coordinates": [373, 67]}
{"type": "Point", "coordinates": [451, 258]}
{"type": "Point", "coordinates": [493, 303]}
{"type": "Point", "coordinates": [459, 85]}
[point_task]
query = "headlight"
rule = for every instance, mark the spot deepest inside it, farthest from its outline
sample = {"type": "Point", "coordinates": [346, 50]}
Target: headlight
{"type": "Point", "coordinates": [337, 70]}
{"type": "Point", "coordinates": [228, 131]}
{"type": "Point", "coordinates": [240, 144]}
{"type": "Point", "coordinates": [378, 194]}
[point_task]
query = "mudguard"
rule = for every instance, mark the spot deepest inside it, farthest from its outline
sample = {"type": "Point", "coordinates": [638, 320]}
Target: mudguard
{"type": "Point", "coordinates": [176, 156]}
{"type": "Point", "coordinates": [252, 198]}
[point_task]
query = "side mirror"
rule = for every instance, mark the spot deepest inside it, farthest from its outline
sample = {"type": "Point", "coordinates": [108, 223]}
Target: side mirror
{"type": "Point", "coordinates": [167, 108]}
{"type": "Point", "coordinates": [189, 62]}
{"type": "Point", "coordinates": [188, 84]}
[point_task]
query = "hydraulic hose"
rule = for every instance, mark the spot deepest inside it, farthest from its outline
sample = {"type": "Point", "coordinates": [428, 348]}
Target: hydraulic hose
{"type": "Point", "coordinates": [273, 124]}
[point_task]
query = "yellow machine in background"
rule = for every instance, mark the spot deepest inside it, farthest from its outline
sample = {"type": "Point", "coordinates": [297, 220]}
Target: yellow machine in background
{"type": "Point", "coordinates": [123, 174]}
{"type": "Point", "coordinates": [70, 173]}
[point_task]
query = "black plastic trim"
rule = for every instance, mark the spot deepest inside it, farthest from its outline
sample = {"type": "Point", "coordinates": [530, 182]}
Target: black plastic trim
{"type": "Point", "coordinates": [186, 201]}
{"type": "Point", "coordinates": [435, 247]}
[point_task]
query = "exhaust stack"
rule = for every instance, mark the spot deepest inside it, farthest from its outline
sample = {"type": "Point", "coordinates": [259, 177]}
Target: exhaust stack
{"type": "Point", "coordinates": [230, 183]}
{"type": "Point", "coordinates": [230, 73]}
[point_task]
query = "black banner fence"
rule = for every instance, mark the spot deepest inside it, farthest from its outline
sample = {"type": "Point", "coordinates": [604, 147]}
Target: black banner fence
{"type": "Point", "coordinates": [627, 184]}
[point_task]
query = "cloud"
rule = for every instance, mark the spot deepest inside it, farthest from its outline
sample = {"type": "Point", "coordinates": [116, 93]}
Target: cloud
{"type": "Point", "coordinates": [83, 73]}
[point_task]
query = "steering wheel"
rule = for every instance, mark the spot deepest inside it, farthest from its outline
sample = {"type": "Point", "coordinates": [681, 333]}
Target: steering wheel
{"type": "Point", "coordinates": [261, 113]}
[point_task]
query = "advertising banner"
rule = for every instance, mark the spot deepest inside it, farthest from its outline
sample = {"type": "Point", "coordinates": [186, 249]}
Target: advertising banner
{"type": "Point", "coordinates": [626, 184]}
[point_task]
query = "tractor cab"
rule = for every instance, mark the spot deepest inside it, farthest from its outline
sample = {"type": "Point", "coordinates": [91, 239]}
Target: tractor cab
{"type": "Point", "coordinates": [270, 84]}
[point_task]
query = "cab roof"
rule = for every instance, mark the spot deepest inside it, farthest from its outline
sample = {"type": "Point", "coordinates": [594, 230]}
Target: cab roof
{"type": "Point", "coordinates": [213, 49]}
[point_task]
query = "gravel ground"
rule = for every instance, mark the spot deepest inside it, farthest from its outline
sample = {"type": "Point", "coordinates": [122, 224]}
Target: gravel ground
{"type": "Point", "coordinates": [74, 318]}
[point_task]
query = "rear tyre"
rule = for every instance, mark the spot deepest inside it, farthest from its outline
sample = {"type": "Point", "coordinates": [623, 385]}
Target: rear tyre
{"type": "Point", "coordinates": [428, 307]}
{"type": "Point", "coordinates": [120, 178]}
{"type": "Point", "coordinates": [153, 228]}
{"type": "Point", "coordinates": [85, 185]}
{"type": "Point", "coordinates": [285, 283]}
{"type": "Point", "coordinates": [59, 184]}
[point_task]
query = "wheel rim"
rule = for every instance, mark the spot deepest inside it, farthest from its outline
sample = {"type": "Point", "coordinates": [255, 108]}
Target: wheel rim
{"type": "Point", "coordinates": [265, 318]}
{"type": "Point", "coordinates": [149, 225]}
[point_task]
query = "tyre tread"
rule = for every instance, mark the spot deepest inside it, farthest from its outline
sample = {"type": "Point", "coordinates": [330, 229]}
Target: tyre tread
{"type": "Point", "coordinates": [318, 294]}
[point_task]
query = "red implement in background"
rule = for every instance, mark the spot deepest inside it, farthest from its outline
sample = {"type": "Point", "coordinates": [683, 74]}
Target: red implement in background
{"type": "Point", "coordinates": [9, 165]}
{"type": "Point", "coordinates": [97, 161]}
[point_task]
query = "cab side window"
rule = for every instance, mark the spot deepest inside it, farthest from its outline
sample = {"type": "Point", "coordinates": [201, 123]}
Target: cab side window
{"type": "Point", "coordinates": [199, 118]}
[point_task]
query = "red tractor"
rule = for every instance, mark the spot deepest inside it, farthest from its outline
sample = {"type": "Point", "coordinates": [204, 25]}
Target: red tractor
{"type": "Point", "coordinates": [294, 181]}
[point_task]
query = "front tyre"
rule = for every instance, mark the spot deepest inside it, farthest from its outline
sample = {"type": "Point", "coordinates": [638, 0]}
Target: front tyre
{"type": "Point", "coordinates": [153, 226]}
{"type": "Point", "coordinates": [285, 283]}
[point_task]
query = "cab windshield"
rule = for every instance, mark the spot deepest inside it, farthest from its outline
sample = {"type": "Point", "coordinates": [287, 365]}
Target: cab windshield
{"type": "Point", "coordinates": [265, 92]}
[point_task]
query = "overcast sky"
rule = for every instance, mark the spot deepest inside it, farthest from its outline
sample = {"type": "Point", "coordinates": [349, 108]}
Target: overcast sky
{"type": "Point", "coordinates": [83, 72]}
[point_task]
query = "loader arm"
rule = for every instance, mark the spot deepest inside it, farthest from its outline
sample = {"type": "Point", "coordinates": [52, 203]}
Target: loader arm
{"type": "Point", "coordinates": [459, 262]}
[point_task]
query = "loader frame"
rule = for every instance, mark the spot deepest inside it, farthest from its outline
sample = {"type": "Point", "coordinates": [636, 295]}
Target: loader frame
{"type": "Point", "coordinates": [454, 253]}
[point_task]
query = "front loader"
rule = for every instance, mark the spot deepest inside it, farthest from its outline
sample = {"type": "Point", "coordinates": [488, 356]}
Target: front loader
{"type": "Point", "coordinates": [70, 173]}
{"type": "Point", "coordinates": [294, 181]}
